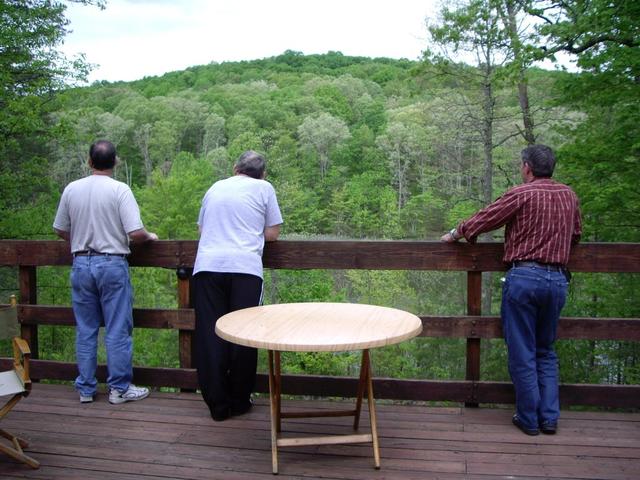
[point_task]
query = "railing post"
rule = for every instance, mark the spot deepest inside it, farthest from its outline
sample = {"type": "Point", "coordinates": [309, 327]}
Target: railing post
{"type": "Point", "coordinates": [474, 307]}
{"type": "Point", "coordinates": [29, 295]}
{"type": "Point", "coordinates": [185, 337]}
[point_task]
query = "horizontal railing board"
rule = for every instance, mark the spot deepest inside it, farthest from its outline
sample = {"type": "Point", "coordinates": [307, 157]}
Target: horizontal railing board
{"type": "Point", "coordinates": [424, 255]}
{"type": "Point", "coordinates": [596, 395]}
{"type": "Point", "coordinates": [339, 254]}
{"type": "Point", "coordinates": [467, 326]}
{"type": "Point", "coordinates": [613, 396]}
{"type": "Point", "coordinates": [178, 318]}
{"type": "Point", "coordinates": [599, 328]}
{"type": "Point", "coordinates": [462, 391]}
{"type": "Point", "coordinates": [167, 254]}
{"type": "Point", "coordinates": [576, 328]}
{"type": "Point", "coordinates": [153, 376]}
{"type": "Point", "coordinates": [434, 326]}
{"type": "Point", "coordinates": [382, 255]}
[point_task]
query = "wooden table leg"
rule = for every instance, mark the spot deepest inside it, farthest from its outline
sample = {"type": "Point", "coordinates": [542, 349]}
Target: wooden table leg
{"type": "Point", "coordinates": [372, 410]}
{"type": "Point", "coordinates": [274, 404]}
{"type": "Point", "coordinates": [278, 384]}
{"type": "Point", "coordinates": [362, 386]}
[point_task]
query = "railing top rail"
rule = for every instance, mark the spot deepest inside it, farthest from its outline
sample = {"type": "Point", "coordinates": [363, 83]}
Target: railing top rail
{"type": "Point", "coordinates": [340, 254]}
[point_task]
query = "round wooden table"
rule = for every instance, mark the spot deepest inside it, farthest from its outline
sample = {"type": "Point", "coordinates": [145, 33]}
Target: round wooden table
{"type": "Point", "coordinates": [319, 327]}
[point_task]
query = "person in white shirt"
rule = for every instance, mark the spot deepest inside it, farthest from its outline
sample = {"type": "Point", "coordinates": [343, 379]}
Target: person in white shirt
{"type": "Point", "coordinates": [237, 216]}
{"type": "Point", "coordinates": [99, 216]}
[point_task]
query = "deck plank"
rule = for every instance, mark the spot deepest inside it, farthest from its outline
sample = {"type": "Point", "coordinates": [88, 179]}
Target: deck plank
{"type": "Point", "coordinates": [171, 436]}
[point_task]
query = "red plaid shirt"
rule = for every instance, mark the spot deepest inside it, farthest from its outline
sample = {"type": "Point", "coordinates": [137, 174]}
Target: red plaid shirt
{"type": "Point", "coordinates": [542, 221]}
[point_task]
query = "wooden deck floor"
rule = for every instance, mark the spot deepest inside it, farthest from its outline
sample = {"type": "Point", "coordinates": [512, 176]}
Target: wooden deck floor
{"type": "Point", "coordinates": [171, 436]}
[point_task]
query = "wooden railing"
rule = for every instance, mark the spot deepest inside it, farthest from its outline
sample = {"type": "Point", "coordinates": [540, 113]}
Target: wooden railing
{"type": "Point", "coordinates": [27, 256]}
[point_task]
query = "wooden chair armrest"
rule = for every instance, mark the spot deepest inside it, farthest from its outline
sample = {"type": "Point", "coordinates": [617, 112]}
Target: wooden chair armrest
{"type": "Point", "coordinates": [21, 346]}
{"type": "Point", "coordinates": [21, 356]}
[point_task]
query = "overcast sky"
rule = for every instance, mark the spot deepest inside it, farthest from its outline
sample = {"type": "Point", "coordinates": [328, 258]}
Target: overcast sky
{"type": "Point", "coordinates": [132, 39]}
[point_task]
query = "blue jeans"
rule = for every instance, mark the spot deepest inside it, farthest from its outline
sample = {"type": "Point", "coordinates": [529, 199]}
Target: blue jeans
{"type": "Point", "coordinates": [102, 294]}
{"type": "Point", "coordinates": [532, 298]}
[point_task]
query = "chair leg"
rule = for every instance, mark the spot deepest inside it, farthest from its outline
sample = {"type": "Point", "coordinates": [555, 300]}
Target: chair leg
{"type": "Point", "coordinates": [13, 438]}
{"type": "Point", "coordinates": [16, 452]}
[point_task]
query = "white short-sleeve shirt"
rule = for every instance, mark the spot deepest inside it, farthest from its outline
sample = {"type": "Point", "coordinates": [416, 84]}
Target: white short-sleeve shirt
{"type": "Point", "coordinates": [98, 212]}
{"type": "Point", "coordinates": [232, 219]}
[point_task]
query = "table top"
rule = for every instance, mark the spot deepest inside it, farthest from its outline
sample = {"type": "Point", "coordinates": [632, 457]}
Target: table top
{"type": "Point", "coordinates": [318, 327]}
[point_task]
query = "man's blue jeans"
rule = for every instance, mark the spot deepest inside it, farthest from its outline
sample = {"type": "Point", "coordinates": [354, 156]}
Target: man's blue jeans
{"type": "Point", "coordinates": [532, 298]}
{"type": "Point", "coordinates": [102, 294]}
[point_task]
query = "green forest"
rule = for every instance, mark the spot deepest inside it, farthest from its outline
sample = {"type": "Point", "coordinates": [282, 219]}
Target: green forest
{"type": "Point", "coordinates": [356, 148]}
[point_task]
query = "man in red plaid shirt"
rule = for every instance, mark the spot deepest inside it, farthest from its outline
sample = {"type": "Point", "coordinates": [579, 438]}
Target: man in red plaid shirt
{"type": "Point", "coordinates": [542, 219]}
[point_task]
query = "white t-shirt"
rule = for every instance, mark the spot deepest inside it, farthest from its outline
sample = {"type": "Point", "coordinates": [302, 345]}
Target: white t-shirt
{"type": "Point", "coordinates": [98, 212]}
{"type": "Point", "coordinates": [232, 219]}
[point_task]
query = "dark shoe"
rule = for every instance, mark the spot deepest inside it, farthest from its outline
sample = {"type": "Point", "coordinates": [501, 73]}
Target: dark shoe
{"type": "Point", "coordinates": [219, 414]}
{"type": "Point", "coordinates": [241, 409]}
{"type": "Point", "coordinates": [518, 423]}
{"type": "Point", "coordinates": [549, 428]}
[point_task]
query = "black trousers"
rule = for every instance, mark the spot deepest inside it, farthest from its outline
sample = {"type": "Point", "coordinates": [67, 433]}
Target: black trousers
{"type": "Point", "coordinates": [226, 371]}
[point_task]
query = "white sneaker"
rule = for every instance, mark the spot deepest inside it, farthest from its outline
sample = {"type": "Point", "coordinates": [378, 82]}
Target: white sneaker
{"type": "Point", "coordinates": [86, 398]}
{"type": "Point", "coordinates": [132, 394]}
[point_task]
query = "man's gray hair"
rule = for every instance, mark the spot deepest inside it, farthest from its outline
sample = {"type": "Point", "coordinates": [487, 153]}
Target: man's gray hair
{"type": "Point", "coordinates": [251, 163]}
{"type": "Point", "coordinates": [540, 159]}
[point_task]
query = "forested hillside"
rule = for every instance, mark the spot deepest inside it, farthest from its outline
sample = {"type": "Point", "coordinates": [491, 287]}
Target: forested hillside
{"type": "Point", "coordinates": [357, 148]}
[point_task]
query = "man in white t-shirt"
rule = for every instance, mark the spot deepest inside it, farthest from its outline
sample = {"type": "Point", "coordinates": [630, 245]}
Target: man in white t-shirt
{"type": "Point", "coordinates": [237, 216]}
{"type": "Point", "coordinates": [99, 217]}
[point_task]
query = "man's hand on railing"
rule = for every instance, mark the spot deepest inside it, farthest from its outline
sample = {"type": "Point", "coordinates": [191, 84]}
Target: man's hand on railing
{"type": "Point", "coordinates": [142, 235]}
{"type": "Point", "coordinates": [451, 236]}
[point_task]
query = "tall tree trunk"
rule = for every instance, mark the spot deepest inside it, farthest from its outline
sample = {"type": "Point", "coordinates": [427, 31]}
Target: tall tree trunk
{"type": "Point", "coordinates": [527, 118]}
{"type": "Point", "coordinates": [487, 139]}
{"type": "Point", "coordinates": [142, 137]}
{"type": "Point", "coordinates": [488, 105]}
{"type": "Point", "coordinates": [511, 24]}
{"type": "Point", "coordinates": [324, 163]}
